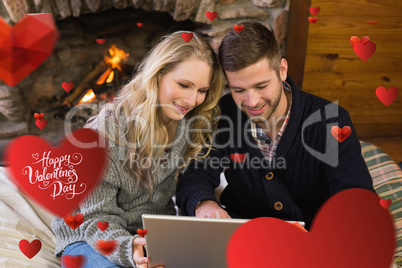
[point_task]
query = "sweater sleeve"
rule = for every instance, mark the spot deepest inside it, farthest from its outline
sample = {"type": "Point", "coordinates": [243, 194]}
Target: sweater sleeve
{"type": "Point", "coordinates": [351, 170]}
{"type": "Point", "coordinates": [101, 206]}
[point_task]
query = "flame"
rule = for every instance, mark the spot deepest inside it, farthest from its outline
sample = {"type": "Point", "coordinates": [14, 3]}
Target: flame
{"type": "Point", "coordinates": [88, 97]}
{"type": "Point", "coordinates": [116, 56]}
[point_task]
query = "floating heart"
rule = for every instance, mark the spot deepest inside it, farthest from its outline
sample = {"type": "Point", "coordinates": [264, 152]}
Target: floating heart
{"type": "Point", "coordinates": [350, 230]}
{"type": "Point", "coordinates": [364, 51]}
{"type": "Point", "coordinates": [70, 261]}
{"type": "Point", "coordinates": [238, 158]}
{"type": "Point", "coordinates": [211, 15]}
{"type": "Point", "coordinates": [41, 124]}
{"type": "Point", "coordinates": [339, 134]}
{"type": "Point", "coordinates": [238, 28]}
{"type": "Point", "coordinates": [39, 116]}
{"type": "Point", "coordinates": [24, 47]}
{"type": "Point", "coordinates": [385, 203]}
{"type": "Point", "coordinates": [187, 36]}
{"type": "Point", "coordinates": [106, 247]}
{"type": "Point", "coordinates": [354, 39]}
{"type": "Point", "coordinates": [99, 41]}
{"type": "Point", "coordinates": [314, 10]}
{"type": "Point", "coordinates": [67, 87]}
{"type": "Point", "coordinates": [387, 96]}
{"type": "Point", "coordinates": [30, 249]}
{"type": "Point", "coordinates": [312, 20]}
{"type": "Point", "coordinates": [102, 225]}
{"type": "Point", "coordinates": [74, 221]}
{"type": "Point", "coordinates": [139, 24]}
{"type": "Point", "coordinates": [372, 22]}
{"type": "Point", "coordinates": [79, 148]}
{"type": "Point", "coordinates": [365, 40]}
{"type": "Point", "coordinates": [142, 232]}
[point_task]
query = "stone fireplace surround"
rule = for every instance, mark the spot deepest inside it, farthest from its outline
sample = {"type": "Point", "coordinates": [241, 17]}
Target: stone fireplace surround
{"type": "Point", "coordinates": [81, 22]}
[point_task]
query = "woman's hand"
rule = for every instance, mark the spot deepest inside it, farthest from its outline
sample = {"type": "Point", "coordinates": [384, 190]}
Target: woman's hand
{"type": "Point", "coordinates": [138, 253]}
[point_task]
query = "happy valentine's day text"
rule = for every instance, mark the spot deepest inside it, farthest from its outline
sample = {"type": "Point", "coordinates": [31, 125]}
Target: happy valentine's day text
{"type": "Point", "coordinates": [52, 168]}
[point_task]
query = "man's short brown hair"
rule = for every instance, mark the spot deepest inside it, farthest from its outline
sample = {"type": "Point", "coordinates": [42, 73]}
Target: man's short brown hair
{"type": "Point", "coordinates": [240, 50]}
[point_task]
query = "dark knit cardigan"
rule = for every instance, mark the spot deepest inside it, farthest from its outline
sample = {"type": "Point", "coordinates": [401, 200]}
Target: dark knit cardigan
{"type": "Point", "coordinates": [295, 184]}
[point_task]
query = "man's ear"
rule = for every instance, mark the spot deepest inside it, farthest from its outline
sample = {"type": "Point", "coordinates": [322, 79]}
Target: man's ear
{"type": "Point", "coordinates": [283, 71]}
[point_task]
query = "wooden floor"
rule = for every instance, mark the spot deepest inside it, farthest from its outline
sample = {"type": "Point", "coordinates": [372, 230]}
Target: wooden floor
{"type": "Point", "coordinates": [390, 145]}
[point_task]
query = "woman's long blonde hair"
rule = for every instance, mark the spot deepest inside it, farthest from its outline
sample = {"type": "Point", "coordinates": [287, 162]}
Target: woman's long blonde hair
{"type": "Point", "coordinates": [143, 123]}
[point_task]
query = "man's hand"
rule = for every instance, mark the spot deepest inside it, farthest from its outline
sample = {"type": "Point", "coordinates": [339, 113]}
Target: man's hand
{"type": "Point", "coordinates": [210, 209]}
{"type": "Point", "coordinates": [138, 253]}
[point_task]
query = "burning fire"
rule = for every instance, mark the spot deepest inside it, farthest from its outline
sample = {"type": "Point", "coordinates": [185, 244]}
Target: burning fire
{"type": "Point", "coordinates": [113, 60]}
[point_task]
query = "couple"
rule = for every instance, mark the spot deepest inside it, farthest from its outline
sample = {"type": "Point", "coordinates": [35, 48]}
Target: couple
{"type": "Point", "coordinates": [169, 111]}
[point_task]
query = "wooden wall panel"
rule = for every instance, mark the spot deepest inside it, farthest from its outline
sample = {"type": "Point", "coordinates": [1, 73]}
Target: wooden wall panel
{"type": "Point", "coordinates": [333, 70]}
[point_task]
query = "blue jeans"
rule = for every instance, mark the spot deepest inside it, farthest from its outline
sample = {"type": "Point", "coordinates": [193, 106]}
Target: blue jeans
{"type": "Point", "coordinates": [93, 258]}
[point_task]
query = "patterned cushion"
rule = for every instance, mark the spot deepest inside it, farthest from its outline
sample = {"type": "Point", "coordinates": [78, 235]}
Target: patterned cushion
{"type": "Point", "coordinates": [387, 180]}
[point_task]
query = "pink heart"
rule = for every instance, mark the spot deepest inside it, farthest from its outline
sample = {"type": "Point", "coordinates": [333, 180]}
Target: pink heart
{"type": "Point", "coordinates": [80, 148]}
{"type": "Point", "coordinates": [350, 230]}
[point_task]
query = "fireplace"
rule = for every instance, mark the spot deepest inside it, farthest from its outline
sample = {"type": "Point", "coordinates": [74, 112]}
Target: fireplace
{"type": "Point", "coordinates": [88, 29]}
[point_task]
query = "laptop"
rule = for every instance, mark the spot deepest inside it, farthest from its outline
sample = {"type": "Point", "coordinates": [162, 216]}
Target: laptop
{"type": "Point", "coordinates": [183, 241]}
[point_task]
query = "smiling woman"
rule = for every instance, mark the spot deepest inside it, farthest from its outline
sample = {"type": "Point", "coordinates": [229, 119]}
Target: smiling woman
{"type": "Point", "coordinates": [152, 120]}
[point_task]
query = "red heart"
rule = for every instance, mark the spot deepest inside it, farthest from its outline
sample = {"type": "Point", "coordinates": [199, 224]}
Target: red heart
{"type": "Point", "coordinates": [30, 249]}
{"type": "Point", "coordinates": [387, 96]}
{"type": "Point", "coordinates": [211, 15]}
{"type": "Point", "coordinates": [350, 230]}
{"type": "Point", "coordinates": [99, 41]}
{"type": "Point", "coordinates": [314, 10]}
{"type": "Point", "coordinates": [142, 232]}
{"type": "Point", "coordinates": [139, 24]}
{"type": "Point", "coordinates": [67, 87]}
{"type": "Point", "coordinates": [24, 47]}
{"type": "Point", "coordinates": [364, 51]}
{"type": "Point", "coordinates": [187, 36]}
{"type": "Point", "coordinates": [385, 203]}
{"type": "Point", "coordinates": [41, 124]}
{"type": "Point", "coordinates": [39, 116]}
{"type": "Point", "coordinates": [102, 225]}
{"type": "Point", "coordinates": [74, 221]}
{"type": "Point", "coordinates": [238, 158]}
{"type": "Point", "coordinates": [339, 134]}
{"type": "Point", "coordinates": [106, 247]}
{"type": "Point", "coordinates": [238, 28]}
{"type": "Point", "coordinates": [313, 20]}
{"type": "Point", "coordinates": [70, 261]}
{"type": "Point", "coordinates": [73, 169]}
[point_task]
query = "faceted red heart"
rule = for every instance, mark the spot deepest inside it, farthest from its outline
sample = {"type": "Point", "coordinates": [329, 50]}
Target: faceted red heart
{"type": "Point", "coordinates": [350, 230]}
{"type": "Point", "coordinates": [41, 124]}
{"type": "Point", "coordinates": [312, 20]}
{"type": "Point", "coordinates": [24, 47]}
{"type": "Point", "coordinates": [69, 261]}
{"type": "Point", "coordinates": [211, 15]}
{"type": "Point", "coordinates": [387, 96]}
{"type": "Point", "coordinates": [341, 134]}
{"type": "Point", "coordinates": [187, 36]}
{"type": "Point", "coordinates": [74, 221]}
{"type": "Point", "coordinates": [139, 24]}
{"type": "Point", "coordinates": [106, 247]}
{"type": "Point", "coordinates": [39, 116]}
{"type": "Point", "coordinates": [142, 232]}
{"type": "Point", "coordinates": [30, 249]}
{"type": "Point", "coordinates": [72, 170]}
{"type": "Point", "coordinates": [102, 225]}
{"type": "Point", "coordinates": [99, 41]}
{"type": "Point", "coordinates": [238, 28]}
{"type": "Point", "coordinates": [385, 203]}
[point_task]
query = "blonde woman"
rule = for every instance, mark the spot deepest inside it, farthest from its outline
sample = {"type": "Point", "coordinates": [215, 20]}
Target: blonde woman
{"type": "Point", "coordinates": [159, 121]}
